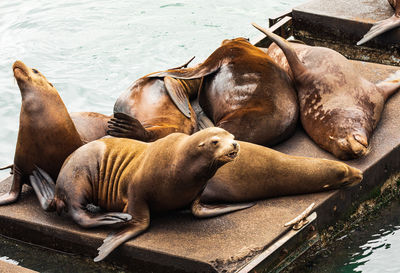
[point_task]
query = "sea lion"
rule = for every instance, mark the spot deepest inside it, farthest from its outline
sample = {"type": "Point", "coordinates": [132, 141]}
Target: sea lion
{"type": "Point", "coordinates": [147, 111]}
{"type": "Point", "coordinates": [385, 25]}
{"type": "Point", "coordinates": [260, 173]}
{"type": "Point", "coordinates": [90, 125]}
{"type": "Point", "coordinates": [129, 176]}
{"type": "Point", "coordinates": [46, 133]}
{"type": "Point", "coordinates": [244, 92]}
{"type": "Point", "coordinates": [339, 109]}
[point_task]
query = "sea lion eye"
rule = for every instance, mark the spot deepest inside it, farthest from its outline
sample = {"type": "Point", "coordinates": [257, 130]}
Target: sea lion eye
{"type": "Point", "coordinates": [35, 71]}
{"type": "Point", "coordinates": [50, 84]}
{"type": "Point", "coordinates": [215, 142]}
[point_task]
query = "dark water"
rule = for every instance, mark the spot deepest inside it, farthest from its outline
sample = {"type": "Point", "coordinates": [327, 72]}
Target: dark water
{"type": "Point", "coordinates": [373, 247]}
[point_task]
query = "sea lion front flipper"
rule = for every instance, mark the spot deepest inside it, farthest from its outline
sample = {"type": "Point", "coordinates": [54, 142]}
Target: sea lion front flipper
{"type": "Point", "coordinates": [380, 27]}
{"type": "Point", "coordinates": [44, 188]}
{"type": "Point", "coordinates": [15, 190]}
{"type": "Point", "coordinates": [140, 222]}
{"type": "Point", "coordinates": [204, 210]}
{"type": "Point", "coordinates": [203, 121]}
{"type": "Point", "coordinates": [177, 93]}
{"type": "Point", "coordinates": [122, 125]}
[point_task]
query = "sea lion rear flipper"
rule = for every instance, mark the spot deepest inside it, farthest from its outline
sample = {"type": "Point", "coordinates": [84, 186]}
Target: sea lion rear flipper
{"type": "Point", "coordinates": [122, 125]}
{"type": "Point", "coordinates": [208, 67]}
{"type": "Point", "coordinates": [178, 95]}
{"type": "Point", "coordinates": [184, 65]}
{"type": "Point", "coordinates": [380, 27]}
{"type": "Point", "coordinates": [44, 188]}
{"type": "Point", "coordinates": [295, 64]}
{"type": "Point", "coordinates": [203, 121]}
{"type": "Point", "coordinates": [204, 210]}
{"type": "Point", "coordinates": [389, 87]}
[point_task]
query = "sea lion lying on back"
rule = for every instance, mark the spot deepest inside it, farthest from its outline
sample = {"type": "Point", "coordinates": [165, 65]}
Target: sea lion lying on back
{"type": "Point", "coordinates": [147, 111]}
{"type": "Point", "coordinates": [244, 92]}
{"type": "Point", "coordinates": [260, 173]}
{"type": "Point", "coordinates": [339, 109]}
{"type": "Point", "coordinates": [385, 25]}
{"type": "Point", "coordinates": [124, 175]}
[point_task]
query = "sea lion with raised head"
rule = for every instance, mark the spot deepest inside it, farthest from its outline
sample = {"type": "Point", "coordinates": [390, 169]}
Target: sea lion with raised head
{"type": "Point", "coordinates": [46, 133]}
{"type": "Point", "coordinates": [339, 109]}
{"type": "Point", "coordinates": [244, 92]}
{"type": "Point", "coordinates": [260, 173]}
{"type": "Point", "coordinates": [148, 110]}
{"type": "Point", "coordinates": [385, 25]}
{"type": "Point", "coordinates": [129, 176]}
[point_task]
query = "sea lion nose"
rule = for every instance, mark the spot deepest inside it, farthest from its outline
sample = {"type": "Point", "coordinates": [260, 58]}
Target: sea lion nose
{"type": "Point", "coordinates": [235, 144]}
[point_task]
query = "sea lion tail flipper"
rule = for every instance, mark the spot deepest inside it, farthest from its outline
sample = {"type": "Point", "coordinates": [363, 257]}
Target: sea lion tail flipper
{"type": "Point", "coordinates": [295, 64]}
{"type": "Point", "coordinates": [205, 210]}
{"type": "Point", "coordinates": [380, 27]}
{"type": "Point", "coordinates": [122, 125]}
{"type": "Point", "coordinates": [184, 65]}
{"type": "Point", "coordinates": [203, 121]}
{"type": "Point", "coordinates": [44, 188]}
{"type": "Point", "coordinates": [389, 87]}
{"type": "Point", "coordinates": [114, 240]}
{"type": "Point", "coordinates": [177, 93]}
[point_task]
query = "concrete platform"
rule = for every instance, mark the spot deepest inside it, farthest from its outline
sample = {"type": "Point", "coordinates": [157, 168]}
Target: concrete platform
{"type": "Point", "coordinates": [179, 242]}
{"type": "Point", "coordinates": [11, 268]}
{"type": "Point", "coordinates": [339, 24]}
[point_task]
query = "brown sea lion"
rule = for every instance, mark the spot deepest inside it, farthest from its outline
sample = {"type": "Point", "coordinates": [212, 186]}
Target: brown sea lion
{"type": "Point", "coordinates": [339, 109]}
{"type": "Point", "coordinates": [148, 109]}
{"type": "Point", "coordinates": [90, 125]}
{"type": "Point", "coordinates": [46, 133]}
{"type": "Point", "coordinates": [385, 25]}
{"type": "Point", "coordinates": [260, 173]}
{"type": "Point", "coordinates": [129, 176]}
{"type": "Point", "coordinates": [244, 92]}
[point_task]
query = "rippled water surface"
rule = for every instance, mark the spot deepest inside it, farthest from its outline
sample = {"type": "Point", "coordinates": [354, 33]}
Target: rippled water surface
{"type": "Point", "coordinates": [372, 247]}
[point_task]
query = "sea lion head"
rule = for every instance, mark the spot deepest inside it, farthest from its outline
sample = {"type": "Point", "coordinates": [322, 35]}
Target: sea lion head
{"type": "Point", "coordinates": [347, 176]}
{"type": "Point", "coordinates": [218, 144]}
{"type": "Point", "coordinates": [29, 79]}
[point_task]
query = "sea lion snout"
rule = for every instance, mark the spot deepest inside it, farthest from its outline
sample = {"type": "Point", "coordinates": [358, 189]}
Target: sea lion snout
{"type": "Point", "coordinates": [21, 71]}
{"type": "Point", "coordinates": [352, 177]}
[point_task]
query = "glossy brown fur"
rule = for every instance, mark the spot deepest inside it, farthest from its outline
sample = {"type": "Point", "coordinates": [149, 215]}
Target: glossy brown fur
{"type": "Point", "coordinates": [46, 133]}
{"type": "Point", "coordinates": [148, 102]}
{"type": "Point", "coordinates": [245, 92]}
{"type": "Point", "coordinates": [260, 173]}
{"type": "Point", "coordinates": [90, 125]}
{"type": "Point", "coordinates": [339, 109]}
{"type": "Point", "coordinates": [136, 177]}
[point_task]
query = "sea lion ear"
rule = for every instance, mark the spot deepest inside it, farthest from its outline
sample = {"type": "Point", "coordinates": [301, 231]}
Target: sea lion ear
{"type": "Point", "coordinates": [201, 144]}
{"type": "Point", "coordinates": [178, 95]}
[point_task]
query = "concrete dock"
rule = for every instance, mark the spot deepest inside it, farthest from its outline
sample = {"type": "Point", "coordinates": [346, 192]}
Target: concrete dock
{"type": "Point", "coordinates": [242, 241]}
{"type": "Point", "coordinates": [339, 24]}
